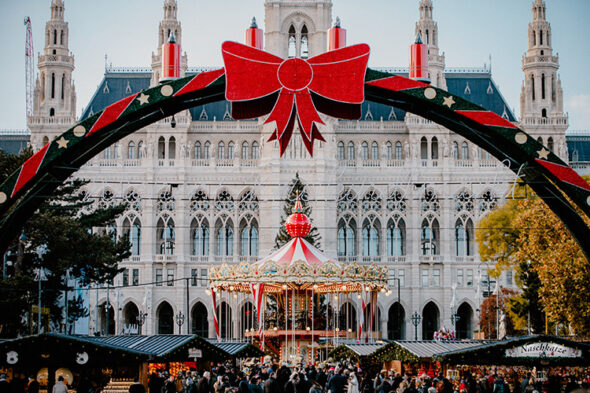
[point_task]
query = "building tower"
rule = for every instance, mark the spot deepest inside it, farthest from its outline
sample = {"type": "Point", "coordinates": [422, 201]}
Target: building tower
{"type": "Point", "coordinates": [55, 95]}
{"type": "Point", "coordinates": [169, 24]}
{"type": "Point", "coordinates": [297, 29]}
{"type": "Point", "coordinates": [428, 30]}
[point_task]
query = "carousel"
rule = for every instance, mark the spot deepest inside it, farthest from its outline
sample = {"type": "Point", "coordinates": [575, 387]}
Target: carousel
{"type": "Point", "coordinates": [304, 302]}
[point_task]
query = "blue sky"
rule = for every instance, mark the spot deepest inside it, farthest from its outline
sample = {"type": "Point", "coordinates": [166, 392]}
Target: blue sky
{"type": "Point", "coordinates": [469, 32]}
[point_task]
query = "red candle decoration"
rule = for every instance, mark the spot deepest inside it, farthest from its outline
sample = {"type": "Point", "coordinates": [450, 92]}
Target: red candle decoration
{"type": "Point", "coordinates": [336, 36]}
{"type": "Point", "coordinates": [419, 61]}
{"type": "Point", "coordinates": [170, 59]}
{"type": "Point", "coordinates": [254, 37]}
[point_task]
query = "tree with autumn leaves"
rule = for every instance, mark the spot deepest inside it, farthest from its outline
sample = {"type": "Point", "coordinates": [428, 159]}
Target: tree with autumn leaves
{"type": "Point", "coordinates": [524, 235]}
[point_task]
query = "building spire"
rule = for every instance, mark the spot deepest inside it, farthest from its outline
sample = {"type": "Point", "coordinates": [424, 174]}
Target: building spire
{"type": "Point", "coordinates": [427, 29]}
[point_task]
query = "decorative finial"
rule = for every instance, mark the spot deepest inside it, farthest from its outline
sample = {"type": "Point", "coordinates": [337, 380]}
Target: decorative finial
{"type": "Point", "coordinates": [338, 22]}
{"type": "Point", "coordinates": [298, 208]}
{"type": "Point", "coordinates": [172, 38]}
{"type": "Point", "coordinates": [418, 39]}
{"type": "Point", "coordinates": [253, 24]}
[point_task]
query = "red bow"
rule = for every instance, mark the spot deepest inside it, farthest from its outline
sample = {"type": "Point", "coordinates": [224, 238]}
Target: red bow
{"type": "Point", "coordinates": [258, 83]}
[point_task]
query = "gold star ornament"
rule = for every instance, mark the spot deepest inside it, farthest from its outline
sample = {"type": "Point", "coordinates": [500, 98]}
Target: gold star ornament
{"type": "Point", "coordinates": [143, 99]}
{"type": "Point", "coordinates": [543, 153]}
{"type": "Point", "coordinates": [62, 142]}
{"type": "Point", "coordinates": [448, 101]}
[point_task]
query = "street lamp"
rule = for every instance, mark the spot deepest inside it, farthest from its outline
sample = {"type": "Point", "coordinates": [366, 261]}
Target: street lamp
{"type": "Point", "coordinates": [41, 276]}
{"type": "Point", "coordinates": [416, 319]}
{"type": "Point", "coordinates": [179, 320]}
{"type": "Point", "coordinates": [141, 318]}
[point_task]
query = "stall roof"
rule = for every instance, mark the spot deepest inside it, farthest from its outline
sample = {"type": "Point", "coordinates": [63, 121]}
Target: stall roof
{"type": "Point", "coordinates": [356, 349]}
{"type": "Point", "coordinates": [240, 349]}
{"type": "Point", "coordinates": [530, 350]}
{"type": "Point", "coordinates": [426, 349]}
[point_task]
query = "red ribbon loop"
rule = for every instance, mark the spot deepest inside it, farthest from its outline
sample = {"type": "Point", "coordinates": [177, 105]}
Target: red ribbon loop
{"type": "Point", "coordinates": [258, 83]}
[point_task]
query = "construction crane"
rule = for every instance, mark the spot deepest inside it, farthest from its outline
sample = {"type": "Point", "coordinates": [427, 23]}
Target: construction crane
{"type": "Point", "coordinates": [29, 69]}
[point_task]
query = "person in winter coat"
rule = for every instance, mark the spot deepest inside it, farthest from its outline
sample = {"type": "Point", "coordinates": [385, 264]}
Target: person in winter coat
{"type": "Point", "coordinates": [271, 385]}
{"type": "Point", "coordinates": [353, 384]}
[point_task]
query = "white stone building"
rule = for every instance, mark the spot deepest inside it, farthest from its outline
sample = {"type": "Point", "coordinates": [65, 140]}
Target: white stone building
{"type": "Point", "coordinates": [391, 188]}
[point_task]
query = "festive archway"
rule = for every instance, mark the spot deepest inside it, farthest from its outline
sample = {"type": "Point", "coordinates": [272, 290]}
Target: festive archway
{"type": "Point", "coordinates": [550, 177]}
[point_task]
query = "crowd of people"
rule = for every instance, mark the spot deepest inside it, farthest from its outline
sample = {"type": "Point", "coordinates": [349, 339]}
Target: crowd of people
{"type": "Point", "coordinates": [348, 378]}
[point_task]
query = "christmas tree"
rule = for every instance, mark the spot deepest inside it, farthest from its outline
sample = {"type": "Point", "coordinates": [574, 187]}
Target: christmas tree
{"type": "Point", "coordinates": [296, 187]}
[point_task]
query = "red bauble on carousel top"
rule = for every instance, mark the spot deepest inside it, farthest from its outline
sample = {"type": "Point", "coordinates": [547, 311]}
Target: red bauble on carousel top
{"type": "Point", "coordinates": [298, 224]}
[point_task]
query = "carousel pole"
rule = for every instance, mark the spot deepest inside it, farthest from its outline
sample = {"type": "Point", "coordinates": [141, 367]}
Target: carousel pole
{"type": "Point", "coordinates": [312, 320]}
{"type": "Point", "coordinates": [286, 323]}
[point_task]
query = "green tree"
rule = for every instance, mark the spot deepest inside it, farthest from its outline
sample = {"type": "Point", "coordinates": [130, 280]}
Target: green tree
{"type": "Point", "coordinates": [297, 187]}
{"type": "Point", "coordinates": [525, 309]}
{"type": "Point", "coordinates": [59, 237]}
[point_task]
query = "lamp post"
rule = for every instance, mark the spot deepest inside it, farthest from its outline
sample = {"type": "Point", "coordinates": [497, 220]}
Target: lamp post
{"type": "Point", "coordinates": [141, 318]}
{"type": "Point", "coordinates": [416, 319]}
{"type": "Point", "coordinates": [41, 250]}
{"type": "Point", "coordinates": [455, 318]}
{"type": "Point", "coordinates": [179, 320]}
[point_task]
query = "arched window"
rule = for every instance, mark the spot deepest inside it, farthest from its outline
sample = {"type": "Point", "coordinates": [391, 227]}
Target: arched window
{"type": "Point", "coordinates": [161, 148]}
{"type": "Point", "coordinates": [340, 153]}
{"type": "Point", "coordinates": [108, 153]}
{"type": "Point", "coordinates": [399, 153]}
{"type": "Point", "coordinates": [200, 325]}
{"type": "Point", "coordinates": [370, 238]}
{"type": "Point", "coordinates": [225, 239]}
{"type": "Point", "coordinates": [465, 322]}
{"type": "Point", "coordinates": [61, 38]}
{"type": "Point", "coordinates": [165, 236]}
{"type": "Point", "coordinates": [230, 150]}
{"type": "Point", "coordinates": [543, 112]}
{"type": "Point", "coordinates": [365, 151]}
{"type": "Point", "coordinates": [540, 140]}
{"type": "Point", "coordinates": [45, 140]}
{"type": "Point", "coordinates": [52, 85]}
{"type": "Point", "coordinates": [346, 238]}
{"type": "Point", "coordinates": [396, 236]}
{"type": "Point", "coordinates": [172, 148]}
{"type": "Point", "coordinates": [434, 148]}
{"type": "Point", "coordinates": [51, 112]}
{"type": "Point", "coordinates": [292, 52]}
{"type": "Point", "coordinates": [550, 143]}
{"type": "Point", "coordinates": [206, 149]}
{"type": "Point", "coordinates": [255, 150]}
{"type": "Point", "coordinates": [63, 86]}
{"type": "Point", "coordinates": [424, 148]}
{"type": "Point", "coordinates": [463, 238]}
{"type": "Point", "coordinates": [543, 86]}
{"type": "Point", "coordinates": [249, 239]}
{"type": "Point", "coordinates": [199, 238]}
{"type": "Point", "coordinates": [165, 316]}
{"type": "Point", "coordinates": [395, 323]}
{"type": "Point", "coordinates": [429, 237]}
{"type": "Point", "coordinates": [131, 150]}
{"type": "Point", "coordinates": [350, 154]}
{"type": "Point", "coordinates": [374, 151]}
{"type": "Point", "coordinates": [430, 321]}
{"type": "Point", "coordinates": [455, 151]}
{"type": "Point", "coordinates": [140, 146]}
{"type": "Point", "coordinates": [54, 37]}
{"type": "Point", "coordinates": [221, 150]}
{"type": "Point", "coordinates": [304, 43]}
{"type": "Point", "coordinates": [540, 37]}
{"type": "Point", "coordinates": [245, 151]}
{"type": "Point", "coordinates": [464, 151]}
{"type": "Point", "coordinates": [198, 150]}
{"type": "Point", "coordinates": [389, 151]}
{"type": "Point", "coordinates": [133, 231]}
{"type": "Point", "coordinates": [533, 86]}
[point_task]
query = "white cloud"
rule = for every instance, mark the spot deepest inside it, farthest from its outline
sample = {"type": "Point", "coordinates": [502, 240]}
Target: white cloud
{"type": "Point", "coordinates": [578, 107]}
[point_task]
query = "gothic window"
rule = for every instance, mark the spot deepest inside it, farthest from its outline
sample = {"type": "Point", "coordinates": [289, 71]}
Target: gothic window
{"type": "Point", "coordinates": [455, 150]}
{"type": "Point", "coordinates": [540, 37]}
{"type": "Point", "coordinates": [304, 43]}
{"type": "Point", "coordinates": [172, 148]}
{"type": "Point", "coordinates": [54, 37]}
{"type": "Point", "coordinates": [534, 39]}
{"type": "Point", "coordinates": [199, 201]}
{"type": "Point", "coordinates": [63, 86]}
{"type": "Point", "coordinates": [464, 202]}
{"type": "Point", "coordinates": [255, 150]}
{"type": "Point", "coordinates": [365, 151]}
{"type": "Point", "coordinates": [225, 238]}
{"type": "Point", "coordinates": [463, 237]}
{"type": "Point", "coordinates": [543, 86]}
{"type": "Point", "coordinates": [131, 150]}
{"type": "Point", "coordinates": [371, 238]}
{"type": "Point", "coordinates": [434, 148]}
{"type": "Point", "coordinates": [165, 201]}
{"type": "Point", "coordinates": [116, 150]}
{"type": "Point", "coordinates": [424, 148]}
{"type": "Point", "coordinates": [347, 201]}
{"type": "Point", "coordinates": [249, 239]}
{"type": "Point", "coordinates": [161, 148]}
{"type": "Point", "coordinates": [389, 150]}
{"type": "Point", "coordinates": [52, 85]}
{"type": "Point", "coordinates": [200, 237]}
{"type": "Point", "coordinates": [108, 153]}
{"type": "Point", "coordinates": [165, 235]}
{"type": "Point", "coordinates": [350, 155]}
{"type": "Point", "coordinates": [575, 155]}
{"type": "Point", "coordinates": [132, 229]}
{"type": "Point", "coordinates": [206, 149]}
{"type": "Point", "coordinates": [133, 200]}
{"type": "Point", "coordinates": [550, 144]}
{"type": "Point", "coordinates": [340, 153]}
{"type": "Point", "coordinates": [396, 201]}
{"type": "Point", "coordinates": [371, 201]}
{"type": "Point", "coordinates": [45, 140]}
{"type": "Point", "coordinates": [429, 236]}
{"type": "Point", "coordinates": [396, 236]}
{"type": "Point", "coordinates": [197, 150]}
{"type": "Point", "coordinates": [249, 202]}
{"type": "Point", "coordinates": [292, 52]}
{"type": "Point", "coordinates": [374, 151]}
{"type": "Point", "coordinates": [540, 140]}
{"type": "Point", "coordinates": [230, 150]}
{"type": "Point", "coordinates": [430, 200]}
{"type": "Point", "coordinates": [107, 199]}
{"type": "Point", "coordinates": [399, 153]}
{"type": "Point", "coordinates": [221, 150]}
{"type": "Point", "coordinates": [464, 151]}
{"type": "Point", "coordinates": [245, 151]}
{"type": "Point", "coordinates": [533, 86]}
{"type": "Point", "coordinates": [224, 201]}
{"type": "Point", "coordinates": [487, 201]}
{"type": "Point", "coordinates": [346, 238]}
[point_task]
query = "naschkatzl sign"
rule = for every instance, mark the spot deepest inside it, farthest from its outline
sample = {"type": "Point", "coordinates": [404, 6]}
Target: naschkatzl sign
{"type": "Point", "coordinates": [543, 350]}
